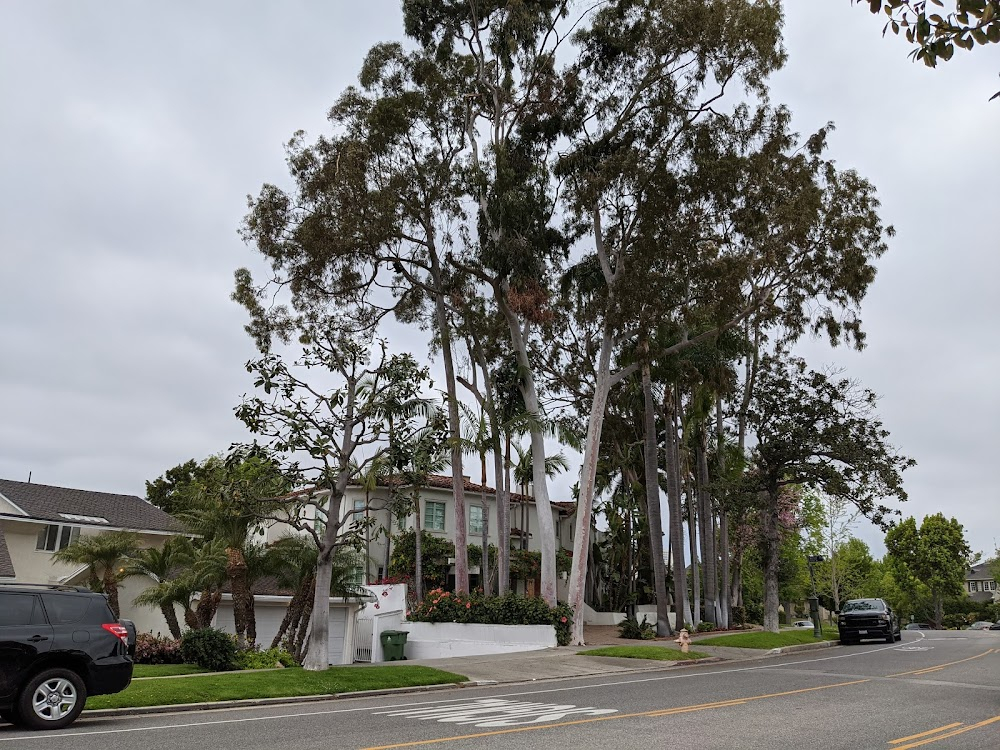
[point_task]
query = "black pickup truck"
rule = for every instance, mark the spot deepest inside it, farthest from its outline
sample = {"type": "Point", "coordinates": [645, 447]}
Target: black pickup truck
{"type": "Point", "coordinates": [859, 619]}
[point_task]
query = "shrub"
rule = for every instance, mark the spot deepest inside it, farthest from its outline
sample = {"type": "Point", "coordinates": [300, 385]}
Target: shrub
{"type": "Point", "coordinates": [209, 648]}
{"type": "Point", "coordinates": [754, 612]}
{"type": "Point", "coordinates": [509, 609]}
{"type": "Point", "coordinates": [153, 649]}
{"type": "Point", "coordinates": [255, 658]}
{"type": "Point", "coordinates": [739, 615]}
{"type": "Point", "coordinates": [705, 627]}
{"type": "Point", "coordinates": [635, 630]}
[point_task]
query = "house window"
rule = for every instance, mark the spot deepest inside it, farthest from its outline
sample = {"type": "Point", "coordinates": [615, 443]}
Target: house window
{"type": "Point", "coordinates": [476, 515]}
{"type": "Point", "coordinates": [434, 516]}
{"type": "Point", "coordinates": [358, 577]}
{"type": "Point", "coordinates": [55, 537]}
{"type": "Point", "coordinates": [359, 506]}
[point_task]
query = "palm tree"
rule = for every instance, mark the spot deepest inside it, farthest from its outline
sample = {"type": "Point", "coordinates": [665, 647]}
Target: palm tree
{"type": "Point", "coordinates": [523, 472]}
{"type": "Point", "coordinates": [104, 555]}
{"type": "Point", "coordinates": [163, 566]}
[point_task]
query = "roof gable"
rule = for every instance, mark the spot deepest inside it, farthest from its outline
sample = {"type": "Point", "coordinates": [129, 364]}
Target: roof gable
{"type": "Point", "coordinates": [6, 566]}
{"type": "Point", "coordinates": [82, 507]}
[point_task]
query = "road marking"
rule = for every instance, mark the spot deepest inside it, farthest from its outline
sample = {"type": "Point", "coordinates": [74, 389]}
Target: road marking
{"type": "Point", "coordinates": [327, 712]}
{"type": "Point", "coordinates": [925, 670]}
{"type": "Point", "coordinates": [916, 648]}
{"type": "Point", "coordinates": [497, 712]}
{"type": "Point", "coordinates": [642, 714]}
{"type": "Point", "coordinates": [924, 734]}
{"type": "Point", "coordinates": [957, 732]}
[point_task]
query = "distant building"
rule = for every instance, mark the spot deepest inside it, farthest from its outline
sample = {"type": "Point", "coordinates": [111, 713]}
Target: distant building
{"type": "Point", "coordinates": [980, 584]}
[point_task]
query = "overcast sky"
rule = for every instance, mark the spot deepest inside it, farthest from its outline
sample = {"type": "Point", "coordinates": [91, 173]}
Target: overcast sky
{"type": "Point", "coordinates": [132, 132]}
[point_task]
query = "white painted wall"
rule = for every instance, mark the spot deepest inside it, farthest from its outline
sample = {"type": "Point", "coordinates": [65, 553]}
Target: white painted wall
{"type": "Point", "coordinates": [437, 640]}
{"type": "Point", "coordinates": [592, 617]}
{"type": "Point", "coordinates": [270, 611]}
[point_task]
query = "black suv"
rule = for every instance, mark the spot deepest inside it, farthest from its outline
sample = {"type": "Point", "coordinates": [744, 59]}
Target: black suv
{"type": "Point", "coordinates": [867, 618]}
{"type": "Point", "coordinates": [58, 644]}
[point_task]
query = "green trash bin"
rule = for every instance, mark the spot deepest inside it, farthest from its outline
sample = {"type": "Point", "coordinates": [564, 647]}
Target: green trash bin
{"type": "Point", "coordinates": [393, 642]}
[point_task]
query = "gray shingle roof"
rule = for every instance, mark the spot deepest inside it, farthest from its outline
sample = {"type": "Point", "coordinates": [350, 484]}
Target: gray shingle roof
{"type": "Point", "coordinates": [64, 505]}
{"type": "Point", "coordinates": [6, 566]}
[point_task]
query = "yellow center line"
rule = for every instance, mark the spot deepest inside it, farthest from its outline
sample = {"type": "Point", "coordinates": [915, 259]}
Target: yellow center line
{"type": "Point", "coordinates": [941, 666]}
{"type": "Point", "coordinates": [957, 732]}
{"type": "Point", "coordinates": [654, 713]}
{"type": "Point", "coordinates": [924, 734]}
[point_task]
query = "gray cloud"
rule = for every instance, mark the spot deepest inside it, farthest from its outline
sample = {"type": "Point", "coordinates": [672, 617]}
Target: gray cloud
{"type": "Point", "coordinates": [133, 133]}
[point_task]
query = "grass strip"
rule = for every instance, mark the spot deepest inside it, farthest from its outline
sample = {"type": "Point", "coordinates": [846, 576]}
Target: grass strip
{"type": "Point", "coordinates": [283, 683]}
{"type": "Point", "coordinates": [659, 653]}
{"type": "Point", "coordinates": [165, 670]}
{"type": "Point", "coordinates": [762, 640]}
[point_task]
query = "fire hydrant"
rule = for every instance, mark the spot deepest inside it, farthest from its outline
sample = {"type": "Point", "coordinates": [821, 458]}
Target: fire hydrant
{"type": "Point", "coordinates": [684, 639]}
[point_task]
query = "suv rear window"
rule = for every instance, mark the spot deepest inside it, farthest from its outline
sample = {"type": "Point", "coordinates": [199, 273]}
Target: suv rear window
{"type": "Point", "coordinates": [64, 610]}
{"type": "Point", "coordinates": [19, 609]}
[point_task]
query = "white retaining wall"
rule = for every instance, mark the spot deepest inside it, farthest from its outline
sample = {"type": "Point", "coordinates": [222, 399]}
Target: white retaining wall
{"type": "Point", "coordinates": [437, 640]}
{"type": "Point", "coordinates": [592, 617]}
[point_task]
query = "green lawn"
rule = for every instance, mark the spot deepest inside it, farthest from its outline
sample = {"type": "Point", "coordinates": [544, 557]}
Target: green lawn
{"type": "Point", "coordinates": [760, 639]}
{"type": "Point", "coordinates": [165, 670]}
{"type": "Point", "coordinates": [271, 684]}
{"type": "Point", "coordinates": [659, 653]}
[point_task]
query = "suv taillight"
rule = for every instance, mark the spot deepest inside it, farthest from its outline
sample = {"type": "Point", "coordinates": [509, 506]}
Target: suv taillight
{"type": "Point", "coordinates": [117, 630]}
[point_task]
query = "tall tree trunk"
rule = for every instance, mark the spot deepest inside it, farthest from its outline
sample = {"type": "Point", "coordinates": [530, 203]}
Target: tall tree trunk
{"type": "Point", "coordinates": [170, 615]}
{"type": "Point", "coordinates": [293, 614]}
{"type": "Point", "coordinates": [682, 607]}
{"type": "Point", "coordinates": [706, 517]}
{"type": "Point", "coordinates": [236, 570]}
{"type": "Point", "coordinates": [208, 603]}
{"type": "Point", "coordinates": [588, 477]}
{"type": "Point", "coordinates": [725, 552]}
{"type": "Point", "coordinates": [484, 565]}
{"type": "Point", "coordinates": [695, 565]}
{"type": "Point", "coordinates": [503, 515]}
{"type": "Point", "coordinates": [418, 552]}
{"type": "Point", "coordinates": [529, 393]}
{"type": "Point", "coordinates": [110, 586]}
{"type": "Point", "coordinates": [772, 558]}
{"type": "Point", "coordinates": [650, 456]}
{"type": "Point", "coordinates": [301, 639]}
{"type": "Point", "coordinates": [387, 558]}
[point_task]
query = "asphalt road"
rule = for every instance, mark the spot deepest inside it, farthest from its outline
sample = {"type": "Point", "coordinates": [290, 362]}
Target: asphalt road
{"type": "Point", "coordinates": [940, 690]}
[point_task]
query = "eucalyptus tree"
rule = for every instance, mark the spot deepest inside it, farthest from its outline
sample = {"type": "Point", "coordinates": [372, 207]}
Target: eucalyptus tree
{"type": "Point", "coordinates": [321, 431]}
{"type": "Point", "coordinates": [371, 215]}
{"type": "Point", "coordinates": [814, 429]}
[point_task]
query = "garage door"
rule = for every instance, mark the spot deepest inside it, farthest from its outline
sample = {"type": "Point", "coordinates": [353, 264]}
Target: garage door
{"type": "Point", "coordinates": [269, 616]}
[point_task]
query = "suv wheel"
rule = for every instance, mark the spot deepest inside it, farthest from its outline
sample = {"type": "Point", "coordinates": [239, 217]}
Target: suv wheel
{"type": "Point", "coordinates": [52, 699]}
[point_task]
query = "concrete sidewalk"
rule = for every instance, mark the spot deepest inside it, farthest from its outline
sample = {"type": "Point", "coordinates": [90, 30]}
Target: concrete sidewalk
{"type": "Point", "coordinates": [571, 661]}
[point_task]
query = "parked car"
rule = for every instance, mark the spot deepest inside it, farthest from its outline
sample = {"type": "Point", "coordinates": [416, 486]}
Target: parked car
{"type": "Point", "coordinates": [802, 624]}
{"type": "Point", "coordinates": [58, 645]}
{"type": "Point", "coordinates": [861, 619]}
{"type": "Point", "coordinates": [981, 625]}
{"type": "Point", "coordinates": [995, 626]}
{"type": "Point", "coordinates": [919, 626]}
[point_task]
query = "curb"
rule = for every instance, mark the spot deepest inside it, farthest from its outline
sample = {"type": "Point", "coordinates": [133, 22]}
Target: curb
{"type": "Point", "coordinates": [264, 702]}
{"type": "Point", "coordinates": [803, 647]}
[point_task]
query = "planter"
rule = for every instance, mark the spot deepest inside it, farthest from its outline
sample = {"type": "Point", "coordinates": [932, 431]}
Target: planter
{"type": "Point", "coordinates": [437, 640]}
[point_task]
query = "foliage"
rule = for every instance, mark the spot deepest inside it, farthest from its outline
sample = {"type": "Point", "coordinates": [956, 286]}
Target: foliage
{"type": "Point", "coordinates": [154, 649]}
{"type": "Point", "coordinates": [104, 555]}
{"type": "Point", "coordinates": [255, 658]}
{"type": "Point", "coordinates": [209, 648]}
{"type": "Point", "coordinates": [754, 613]}
{"type": "Point", "coordinates": [705, 627]}
{"type": "Point", "coordinates": [637, 631]}
{"type": "Point", "coordinates": [936, 34]}
{"type": "Point", "coordinates": [509, 609]}
{"type": "Point", "coordinates": [526, 565]}
{"type": "Point", "coordinates": [434, 554]}
{"type": "Point", "coordinates": [934, 555]}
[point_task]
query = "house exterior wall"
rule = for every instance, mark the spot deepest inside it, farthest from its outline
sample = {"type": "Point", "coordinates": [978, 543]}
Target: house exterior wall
{"type": "Point", "coordinates": [37, 566]}
{"type": "Point", "coordinates": [522, 516]}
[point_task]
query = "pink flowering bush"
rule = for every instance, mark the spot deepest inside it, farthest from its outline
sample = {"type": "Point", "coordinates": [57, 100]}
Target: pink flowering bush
{"type": "Point", "coordinates": [152, 649]}
{"type": "Point", "coordinates": [444, 606]}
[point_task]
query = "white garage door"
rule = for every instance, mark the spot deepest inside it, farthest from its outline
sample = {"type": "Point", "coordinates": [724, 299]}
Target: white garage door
{"type": "Point", "coordinates": [269, 616]}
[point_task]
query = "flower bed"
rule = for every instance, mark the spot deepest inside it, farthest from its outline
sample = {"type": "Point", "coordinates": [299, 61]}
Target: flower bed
{"type": "Point", "coordinates": [441, 606]}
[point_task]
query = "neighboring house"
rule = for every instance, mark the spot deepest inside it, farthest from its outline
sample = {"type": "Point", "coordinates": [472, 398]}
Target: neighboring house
{"type": "Point", "coordinates": [437, 517]}
{"type": "Point", "coordinates": [980, 584]}
{"type": "Point", "coordinates": [36, 520]}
